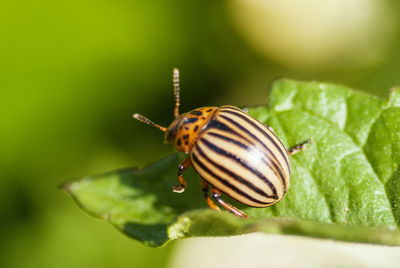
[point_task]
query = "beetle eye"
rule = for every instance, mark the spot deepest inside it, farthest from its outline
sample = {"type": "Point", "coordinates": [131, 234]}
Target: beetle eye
{"type": "Point", "coordinates": [171, 132]}
{"type": "Point", "coordinates": [169, 137]}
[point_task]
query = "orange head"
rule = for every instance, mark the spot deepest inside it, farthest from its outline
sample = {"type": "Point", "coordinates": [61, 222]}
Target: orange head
{"type": "Point", "coordinates": [184, 130]}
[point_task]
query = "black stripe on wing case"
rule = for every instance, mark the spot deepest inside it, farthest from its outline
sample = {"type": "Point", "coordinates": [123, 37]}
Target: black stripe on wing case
{"type": "Point", "coordinates": [225, 138]}
{"type": "Point", "coordinates": [232, 107]}
{"type": "Point", "coordinates": [267, 135]}
{"type": "Point", "coordinates": [241, 162]}
{"type": "Point", "coordinates": [234, 175]}
{"type": "Point", "coordinates": [277, 170]}
{"type": "Point", "coordinates": [275, 161]}
{"type": "Point", "coordinates": [223, 127]}
{"type": "Point", "coordinates": [223, 181]}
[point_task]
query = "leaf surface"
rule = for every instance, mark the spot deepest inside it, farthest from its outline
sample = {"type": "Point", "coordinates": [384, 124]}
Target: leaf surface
{"type": "Point", "coordinates": [345, 186]}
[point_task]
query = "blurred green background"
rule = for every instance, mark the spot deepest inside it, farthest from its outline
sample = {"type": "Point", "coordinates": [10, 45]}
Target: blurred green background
{"type": "Point", "coordinates": [73, 72]}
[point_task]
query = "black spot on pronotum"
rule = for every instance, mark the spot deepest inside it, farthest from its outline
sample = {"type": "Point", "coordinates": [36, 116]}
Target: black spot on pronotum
{"type": "Point", "coordinates": [203, 118]}
{"type": "Point", "coordinates": [196, 113]}
{"type": "Point", "coordinates": [186, 128]}
{"type": "Point", "coordinates": [191, 120]}
{"type": "Point", "coordinates": [179, 142]}
{"type": "Point", "coordinates": [187, 142]}
{"type": "Point", "coordinates": [185, 137]}
{"type": "Point", "coordinates": [209, 110]}
{"type": "Point", "coordinates": [196, 128]}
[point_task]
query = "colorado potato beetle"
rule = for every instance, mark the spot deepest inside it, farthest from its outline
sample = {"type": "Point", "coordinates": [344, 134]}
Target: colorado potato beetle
{"type": "Point", "coordinates": [232, 152]}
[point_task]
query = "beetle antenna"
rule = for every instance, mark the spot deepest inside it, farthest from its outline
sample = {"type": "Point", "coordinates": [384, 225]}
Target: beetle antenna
{"type": "Point", "coordinates": [175, 81]}
{"type": "Point", "coordinates": [145, 120]}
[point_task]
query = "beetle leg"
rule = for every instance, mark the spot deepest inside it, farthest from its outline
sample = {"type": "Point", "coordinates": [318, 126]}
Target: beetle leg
{"type": "Point", "coordinates": [180, 188]}
{"type": "Point", "coordinates": [205, 187]}
{"type": "Point", "coordinates": [299, 147]}
{"type": "Point", "coordinates": [216, 194]}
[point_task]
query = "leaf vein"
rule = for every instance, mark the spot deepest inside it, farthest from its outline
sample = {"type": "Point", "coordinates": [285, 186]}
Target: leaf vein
{"type": "Point", "coordinates": [374, 172]}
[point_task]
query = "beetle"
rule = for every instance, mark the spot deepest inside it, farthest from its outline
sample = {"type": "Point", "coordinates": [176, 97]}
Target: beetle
{"type": "Point", "coordinates": [232, 152]}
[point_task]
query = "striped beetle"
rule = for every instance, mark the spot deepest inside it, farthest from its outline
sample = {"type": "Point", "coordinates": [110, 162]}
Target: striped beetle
{"type": "Point", "coordinates": [232, 152]}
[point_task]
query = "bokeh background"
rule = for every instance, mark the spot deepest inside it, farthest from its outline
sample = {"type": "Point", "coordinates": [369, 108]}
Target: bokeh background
{"type": "Point", "coordinates": [73, 72]}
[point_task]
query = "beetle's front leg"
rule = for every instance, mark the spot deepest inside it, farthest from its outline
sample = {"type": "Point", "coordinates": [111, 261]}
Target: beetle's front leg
{"type": "Point", "coordinates": [299, 147]}
{"type": "Point", "coordinates": [180, 188]}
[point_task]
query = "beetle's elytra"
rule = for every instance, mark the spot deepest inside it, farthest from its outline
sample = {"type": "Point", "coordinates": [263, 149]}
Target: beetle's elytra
{"type": "Point", "coordinates": [232, 152]}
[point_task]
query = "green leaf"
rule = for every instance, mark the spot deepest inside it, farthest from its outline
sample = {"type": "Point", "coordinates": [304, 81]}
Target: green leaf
{"type": "Point", "coordinates": [345, 186]}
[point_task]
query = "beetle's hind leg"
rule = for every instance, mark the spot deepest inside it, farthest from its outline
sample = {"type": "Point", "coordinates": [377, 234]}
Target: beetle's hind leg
{"type": "Point", "coordinates": [180, 188]}
{"type": "Point", "coordinates": [299, 147]}
{"type": "Point", "coordinates": [216, 194]}
{"type": "Point", "coordinates": [205, 187]}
